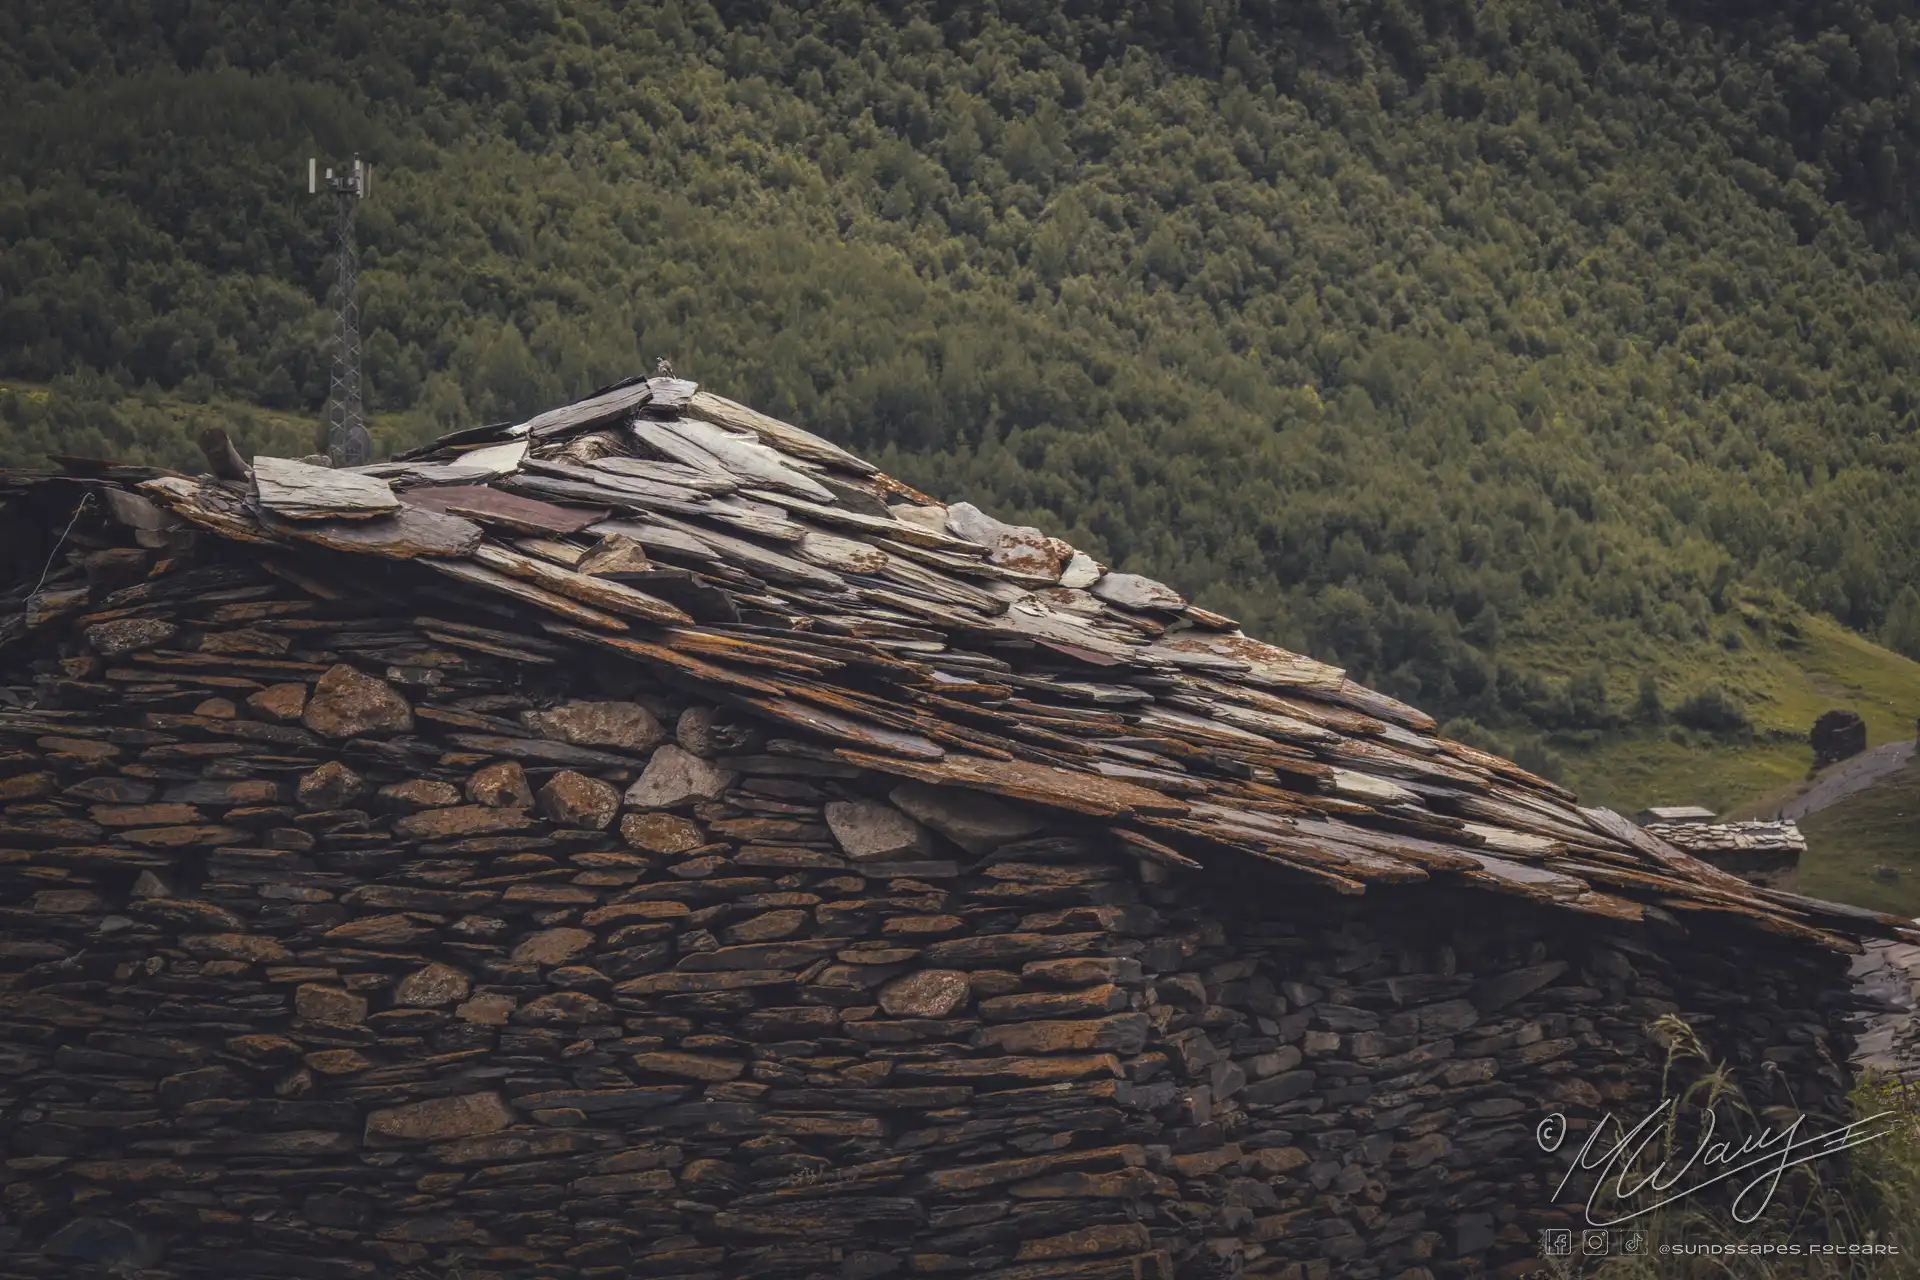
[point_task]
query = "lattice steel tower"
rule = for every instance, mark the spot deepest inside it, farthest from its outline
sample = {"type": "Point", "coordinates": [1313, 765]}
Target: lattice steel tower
{"type": "Point", "coordinates": [348, 443]}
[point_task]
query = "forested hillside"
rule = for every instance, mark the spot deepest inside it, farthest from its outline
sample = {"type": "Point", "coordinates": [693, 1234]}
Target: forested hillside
{"type": "Point", "coordinates": [1524, 357]}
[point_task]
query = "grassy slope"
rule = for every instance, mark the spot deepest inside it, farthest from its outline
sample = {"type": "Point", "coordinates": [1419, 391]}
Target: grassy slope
{"type": "Point", "coordinates": [1789, 668]}
{"type": "Point", "coordinates": [1877, 827]}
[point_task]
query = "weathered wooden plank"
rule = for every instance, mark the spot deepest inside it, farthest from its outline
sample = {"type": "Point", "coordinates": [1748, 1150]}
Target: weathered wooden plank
{"type": "Point", "coordinates": [1339, 720]}
{"type": "Point", "coordinates": [1256, 663]}
{"type": "Point", "coordinates": [1131, 591]}
{"type": "Point", "coordinates": [499, 459]}
{"type": "Point", "coordinates": [646, 487]}
{"type": "Point", "coordinates": [746, 457]}
{"type": "Point", "coordinates": [721, 412]}
{"type": "Point", "coordinates": [488, 647]}
{"type": "Point", "coordinates": [1379, 704]}
{"type": "Point", "coordinates": [426, 473]}
{"type": "Point", "coordinates": [723, 648]}
{"type": "Point", "coordinates": [619, 557]}
{"type": "Point", "coordinates": [409, 533]}
{"type": "Point", "coordinates": [616, 401]}
{"type": "Point", "coordinates": [760, 519]}
{"type": "Point", "coordinates": [826, 724]}
{"type": "Point", "coordinates": [840, 517]}
{"type": "Point", "coordinates": [698, 479]}
{"type": "Point", "coordinates": [674, 540]}
{"type": "Point", "coordinates": [758, 560]}
{"type": "Point", "coordinates": [210, 506]}
{"type": "Point", "coordinates": [599, 592]}
{"type": "Point", "coordinates": [494, 508]}
{"type": "Point", "coordinates": [677, 664]}
{"type": "Point", "coordinates": [134, 511]}
{"type": "Point", "coordinates": [845, 555]}
{"type": "Point", "coordinates": [296, 491]}
{"type": "Point", "coordinates": [564, 554]}
{"type": "Point", "coordinates": [475, 575]}
{"type": "Point", "coordinates": [670, 394]}
{"type": "Point", "coordinates": [1087, 793]}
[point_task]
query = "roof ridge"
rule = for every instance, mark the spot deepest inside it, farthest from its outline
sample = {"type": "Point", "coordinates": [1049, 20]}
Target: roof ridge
{"type": "Point", "coordinates": [786, 576]}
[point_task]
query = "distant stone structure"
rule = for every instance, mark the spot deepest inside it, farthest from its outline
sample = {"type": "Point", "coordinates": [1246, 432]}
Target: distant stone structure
{"type": "Point", "coordinates": [1762, 853]}
{"type": "Point", "coordinates": [1673, 815]}
{"type": "Point", "coordinates": [1836, 736]}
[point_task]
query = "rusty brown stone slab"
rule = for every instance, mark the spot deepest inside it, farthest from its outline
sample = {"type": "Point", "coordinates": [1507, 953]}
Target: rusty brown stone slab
{"type": "Point", "coordinates": [495, 508]}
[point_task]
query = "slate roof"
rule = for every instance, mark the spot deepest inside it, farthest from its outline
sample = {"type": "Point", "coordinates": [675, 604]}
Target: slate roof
{"type": "Point", "coordinates": [1733, 837]}
{"type": "Point", "coordinates": [780, 574]}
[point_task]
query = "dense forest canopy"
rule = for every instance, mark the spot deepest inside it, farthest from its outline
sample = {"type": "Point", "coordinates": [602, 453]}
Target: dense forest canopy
{"type": "Point", "coordinates": [1402, 330]}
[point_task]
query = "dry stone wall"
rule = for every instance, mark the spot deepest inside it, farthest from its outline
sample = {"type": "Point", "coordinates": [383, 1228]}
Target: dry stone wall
{"type": "Point", "coordinates": [1764, 853]}
{"type": "Point", "coordinates": [1392, 1057]}
{"type": "Point", "coordinates": [345, 943]}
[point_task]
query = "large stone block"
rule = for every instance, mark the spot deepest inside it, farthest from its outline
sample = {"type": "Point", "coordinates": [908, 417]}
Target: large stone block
{"type": "Point", "coordinates": [930, 993]}
{"type": "Point", "coordinates": [675, 777]}
{"type": "Point", "coordinates": [977, 823]}
{"type": "Point", "coordinates": [625, 725]}
{"type": "Point", "coordinates": [870, 831]}
{"type": "Point", "coordinates": [438, 1119]}
{"type": "Point", "coordinates": [348, 703]}
{"type": "Point", "coordinates": [570, 799]}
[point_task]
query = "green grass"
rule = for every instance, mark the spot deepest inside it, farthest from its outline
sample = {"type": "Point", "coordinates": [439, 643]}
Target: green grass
{"type": "Point", "coordinates": [1876, 827]}
{"type": "Point", "coordinates": [1640, 770]}
{"type": "Point", "coordinates": [1788, 668]}
{"type": "Point", "coordinates": [162, 429]}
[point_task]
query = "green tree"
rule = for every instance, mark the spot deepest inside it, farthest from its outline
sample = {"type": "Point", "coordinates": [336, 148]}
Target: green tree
{"type": "Point", "coordinates": [1901, 633]}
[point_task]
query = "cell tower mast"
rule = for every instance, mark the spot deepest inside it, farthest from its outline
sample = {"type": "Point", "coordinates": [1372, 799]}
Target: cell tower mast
{"type": "Point", "coordinates": [348, 443]}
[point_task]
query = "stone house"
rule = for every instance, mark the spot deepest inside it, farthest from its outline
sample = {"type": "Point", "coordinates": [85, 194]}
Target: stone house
{"type": "Point", "coordinates": [1766, 852]}
{"type": "Point", "coordinates": [1674, 815]}
{"type": "Point", "coordinates": [649, 841]}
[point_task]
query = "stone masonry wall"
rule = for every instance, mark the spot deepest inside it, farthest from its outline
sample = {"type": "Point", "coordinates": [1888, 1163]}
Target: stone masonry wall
{"type": "Point", "coordinates": [342, 943]}
{"type": "Point", "coordinates": [1359, 1082]}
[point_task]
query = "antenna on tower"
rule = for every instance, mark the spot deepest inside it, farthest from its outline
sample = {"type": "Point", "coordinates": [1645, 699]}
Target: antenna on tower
{"type": "Point", "coordinates": [348, 443]}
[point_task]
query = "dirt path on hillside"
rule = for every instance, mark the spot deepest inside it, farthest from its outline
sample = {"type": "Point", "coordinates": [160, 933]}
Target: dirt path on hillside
{"type": "Point", "coordinates": [1848, 778]}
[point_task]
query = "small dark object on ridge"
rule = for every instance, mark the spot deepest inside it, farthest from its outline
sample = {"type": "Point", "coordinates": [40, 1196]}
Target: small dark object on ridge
{"type": "Point", "coordinates": [1836, 736]}
{"type": "Point", "coordinates": [222, 458]}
